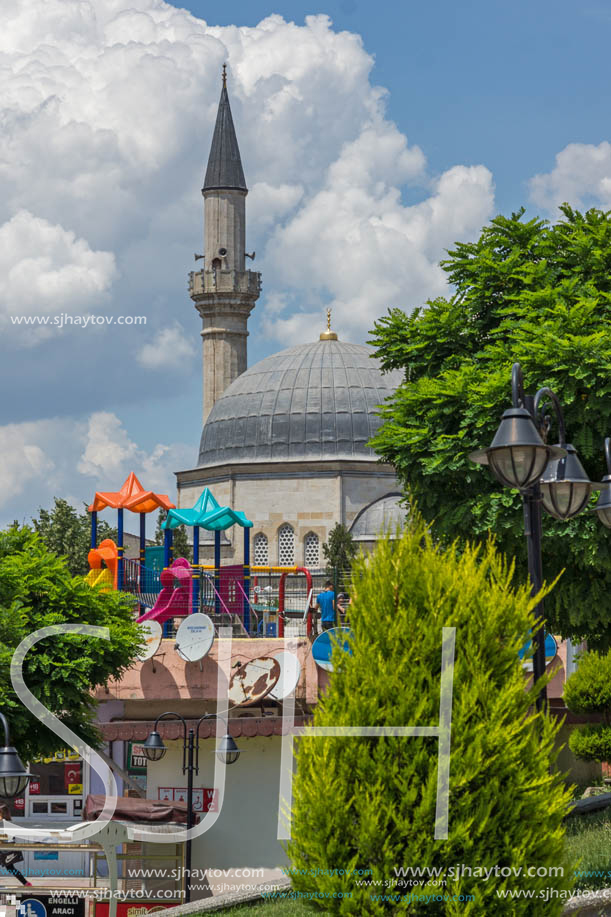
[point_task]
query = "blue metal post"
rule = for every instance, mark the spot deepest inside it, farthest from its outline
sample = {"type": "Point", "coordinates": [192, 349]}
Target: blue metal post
{"type": "Point", "coordinates": [217, 570]}
{"type": "Point", "coordinates": [94, 529]}
{"type": "Point", "coordinates": [246, 580]}
{"type": "Point", "coordinates": [167, 547]}
{"type": "Point", "coordinates": [120, 549]}
{"type": "Point", "coordinates": [196, 571]}
{"type": "Point", "coordinates": [141, 573]}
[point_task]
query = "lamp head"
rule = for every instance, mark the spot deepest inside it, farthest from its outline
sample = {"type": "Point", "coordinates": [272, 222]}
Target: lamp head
{"type": "Point", "coordinates": [565, 486]}
{"type": "Point", "coordinates": [13, 776]}
{"type": "Point", "coordinates": [603, 505]}
{"type": "Point", "coordinates": [227, 750]}
{"type": "Point", "coordinates": [154, 749]}
{"type": "Point", "coordinates": [517, 455]}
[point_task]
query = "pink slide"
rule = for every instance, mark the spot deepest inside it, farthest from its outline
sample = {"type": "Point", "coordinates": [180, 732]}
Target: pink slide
{"type": "Point", "coordinates": [173, 600]}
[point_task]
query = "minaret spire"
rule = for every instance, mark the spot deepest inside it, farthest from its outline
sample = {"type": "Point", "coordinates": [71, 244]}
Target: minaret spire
{"type": "Point", "coordinates": [224, 163]}
{"type": "Point", "coordinates": [224, 293]}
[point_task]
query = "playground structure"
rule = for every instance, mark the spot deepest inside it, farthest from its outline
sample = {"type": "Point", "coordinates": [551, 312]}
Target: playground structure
{"type": "Point", "coordinates": [253, 600]}
{"type": "Point", "coordinates": [107, 576]}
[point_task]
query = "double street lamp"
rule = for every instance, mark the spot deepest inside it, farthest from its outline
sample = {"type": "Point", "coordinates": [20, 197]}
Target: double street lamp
{"type": "Point", "coordinates": [548, 476]}
{"type": "Point", "coordinates": [154, 749]}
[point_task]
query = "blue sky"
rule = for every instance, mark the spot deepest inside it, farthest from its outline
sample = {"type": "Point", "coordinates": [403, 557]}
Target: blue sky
{"type": "Point", "coordinates": [373, 136]}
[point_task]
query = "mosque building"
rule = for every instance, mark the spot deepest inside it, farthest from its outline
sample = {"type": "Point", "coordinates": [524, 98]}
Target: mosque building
{"type": "Point", "coordinates": [285, 440]}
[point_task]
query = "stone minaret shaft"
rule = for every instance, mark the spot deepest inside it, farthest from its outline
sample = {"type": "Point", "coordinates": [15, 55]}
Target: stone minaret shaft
{"type": "Point", "coordinates": [224, 293]}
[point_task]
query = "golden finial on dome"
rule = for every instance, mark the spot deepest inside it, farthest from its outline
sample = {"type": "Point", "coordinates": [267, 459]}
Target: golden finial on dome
{"type": "Point", "coordinates": [328, 335]}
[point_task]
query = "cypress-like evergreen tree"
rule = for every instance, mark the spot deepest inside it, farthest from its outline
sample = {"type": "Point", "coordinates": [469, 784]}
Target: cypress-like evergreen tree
{"type": "Point", "coordinates": [369, 803]}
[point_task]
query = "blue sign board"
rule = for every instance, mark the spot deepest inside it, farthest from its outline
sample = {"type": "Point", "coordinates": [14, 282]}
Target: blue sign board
{"type": "Point", "coordinates": [551, 648]}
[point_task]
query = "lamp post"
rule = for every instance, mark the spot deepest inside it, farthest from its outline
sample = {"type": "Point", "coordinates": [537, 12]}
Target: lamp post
{"type": "Point", "coordinates": [154, 749]}
{"type": "Point", "coordinates": [548, 476]}
{"type": "Point", "coordinates": [13, 776]}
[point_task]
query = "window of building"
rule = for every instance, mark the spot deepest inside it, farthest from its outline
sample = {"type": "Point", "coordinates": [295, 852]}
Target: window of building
{"type": "Point", "coordinates": [286, 546]}
{"type": "Point", "coordinates": [311, 550]}
{"type": "Point", "coordinates": [261, 554]}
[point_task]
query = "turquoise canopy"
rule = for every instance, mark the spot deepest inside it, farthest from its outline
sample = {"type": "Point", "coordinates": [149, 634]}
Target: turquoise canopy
{"type": "Point", "coordinates": [207, 514]}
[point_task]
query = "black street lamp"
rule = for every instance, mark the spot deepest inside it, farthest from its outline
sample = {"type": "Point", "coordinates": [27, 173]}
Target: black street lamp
{"type": "Point", "coordinates": [603, 505]}
{"type": "Point", "coordinates": [13, 775]}
{"type": "Point", "coordinates": [154, 749]}
{"type": "Point", "coordinates": [551, 476]}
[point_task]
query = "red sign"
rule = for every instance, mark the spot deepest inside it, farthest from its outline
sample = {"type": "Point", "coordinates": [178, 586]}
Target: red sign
{"type": "Point", "coordinates": [19, 803]}
{"type": "Point", "coordinates": [72, 774]}
{"type": "Point", "coordinates": [131, 908]}
{"type": "Point", "coordinates": [204, 799]}
{"type": "Point", "coordinates": [34, 788]}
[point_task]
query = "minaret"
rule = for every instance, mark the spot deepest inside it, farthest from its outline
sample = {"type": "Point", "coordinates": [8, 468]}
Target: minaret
{"type": "Point", "coordinates": [224, 293]}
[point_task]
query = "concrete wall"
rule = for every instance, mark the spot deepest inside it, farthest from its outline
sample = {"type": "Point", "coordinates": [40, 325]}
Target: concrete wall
{"type": "Point", "coordinates": [245, 833]}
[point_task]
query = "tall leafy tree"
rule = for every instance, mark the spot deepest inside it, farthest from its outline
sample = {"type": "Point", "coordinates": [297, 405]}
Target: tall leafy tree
{"type": "Point", "coordinates": [37, 589]}
{"type": "Point", "coordinates": [68, 533]}
{"type": "Point", "coordinates": [525, 291]}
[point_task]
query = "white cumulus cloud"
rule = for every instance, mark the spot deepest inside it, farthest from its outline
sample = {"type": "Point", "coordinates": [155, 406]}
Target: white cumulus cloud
{"type": "Point", "coordinates": [581, 176]}
{"type": "Point", "coordinates": [171, 349]}
{"type": "Point", "coordinates": [45, 269]}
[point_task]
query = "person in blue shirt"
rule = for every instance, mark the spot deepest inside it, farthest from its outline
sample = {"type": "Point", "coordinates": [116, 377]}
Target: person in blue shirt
{"type": "Point", "coordinates": [326, 602]}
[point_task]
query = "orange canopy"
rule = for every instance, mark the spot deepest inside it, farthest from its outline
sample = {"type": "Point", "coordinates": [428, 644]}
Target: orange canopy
{"type": "Point", "coordinates": [132, 496]}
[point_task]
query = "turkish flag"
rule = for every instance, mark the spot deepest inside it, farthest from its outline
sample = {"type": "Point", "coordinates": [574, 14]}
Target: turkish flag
{"type": "Point", "coordinates": [72, 774]}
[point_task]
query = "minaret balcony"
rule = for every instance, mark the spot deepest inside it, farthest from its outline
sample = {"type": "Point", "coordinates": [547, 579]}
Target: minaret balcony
{"type": "Point", "coordinates": [202, 282]}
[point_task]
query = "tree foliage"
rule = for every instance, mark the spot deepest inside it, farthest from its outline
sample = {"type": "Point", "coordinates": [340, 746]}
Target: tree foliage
{"type": "Point", "coordinates": [506, 806]}
{"type": "Point", "coordinates": [340, 550]}
{"type": "Point", "coordinates": [180, 541]}
{"type": "Point", "coordinates": [68, 534]}
{"type": "Point", "coordinates": [530, 292]}
{"type": "Point", "coordinates": [36, 590]}
{"type": "Point", "coordinates": [588, 690]}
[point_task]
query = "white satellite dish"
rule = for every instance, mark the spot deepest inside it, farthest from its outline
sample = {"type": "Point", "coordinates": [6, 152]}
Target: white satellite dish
{"type": "Point", "coordinates": [151, 634]}
{"type": "Point", "coordinates": [194, 637]}
{"type": "Point", "coordinates": [290, 670]}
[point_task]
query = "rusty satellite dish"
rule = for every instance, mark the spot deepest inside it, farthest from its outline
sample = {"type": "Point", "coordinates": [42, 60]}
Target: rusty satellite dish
{"type": "Point", "coordinates": [253, 681]}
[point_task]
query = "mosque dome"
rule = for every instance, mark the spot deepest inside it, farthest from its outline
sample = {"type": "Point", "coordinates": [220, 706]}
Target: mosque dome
{"type": "Point", "coordinates": [310, 402]}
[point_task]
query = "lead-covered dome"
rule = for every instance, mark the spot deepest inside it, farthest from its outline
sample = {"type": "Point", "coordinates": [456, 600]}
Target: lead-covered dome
{"type": "Point", "coordinates": [313, 401]}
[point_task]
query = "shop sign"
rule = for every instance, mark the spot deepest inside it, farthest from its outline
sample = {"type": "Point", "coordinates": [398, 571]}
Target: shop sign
{"type": "Point", "coordinates": [47, 906]}
{"type": "Point", "coordinates": [204, 799]}
{"type": "Point", "coordinates": [136, 758]}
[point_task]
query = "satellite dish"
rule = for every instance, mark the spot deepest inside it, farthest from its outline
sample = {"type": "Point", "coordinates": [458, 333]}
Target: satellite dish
{"type": "Point", "coordinates": [290, 670]}
{"type": "Point", "coordinates": [253, 681]}
{"type": "Point", "coordinates": [151, 634]}
{"type": "Point", "coordinates": [323, 646]}
{"type": "Point", "coordinates": [194, 637]}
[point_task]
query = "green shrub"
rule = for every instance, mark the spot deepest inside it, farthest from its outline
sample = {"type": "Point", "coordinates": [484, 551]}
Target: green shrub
{"type": "Point", "coordinates": [369, 803]}
{"type": "Point", "coordinates": [588, 690]}
{"type": "Point", "coordinates": [592, 743]}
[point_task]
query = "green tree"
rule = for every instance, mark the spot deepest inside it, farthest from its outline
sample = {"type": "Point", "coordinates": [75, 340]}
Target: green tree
{"type": "Point", "coordinates": [180, 541]}
{"type": "Point", "coordinates": [68, 534]}
{"type": "Point", "coordinates": [370, 803]}
{"type": "Point", "coordinates": [535, 293]}
{"type": "Point", "coordinates": [36, 590]}
{"type": "Point", "coordinates": [340, 550]}
{"type": "Point", "coordinates": [588, 690]}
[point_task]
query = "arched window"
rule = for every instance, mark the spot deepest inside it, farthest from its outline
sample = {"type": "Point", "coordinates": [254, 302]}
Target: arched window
{"type": "Point", "coordinates": [286, 546]}
{"type": "Point", "coordinates": [216, 264]}
{"type": "Point", "coordinates": [311, 550]}
{"type": "Point", "coordinates": [261, 553]}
